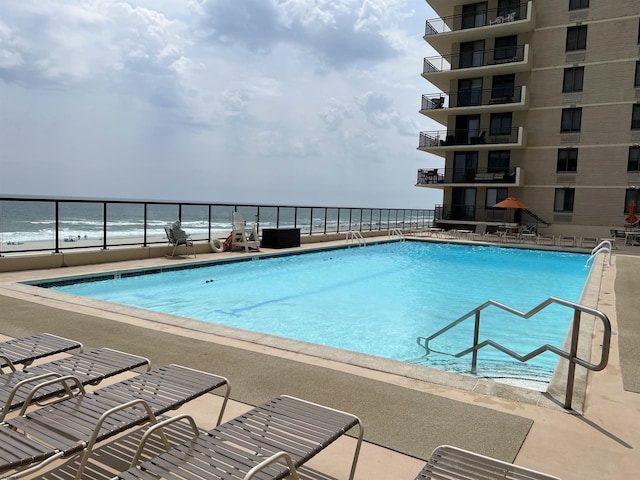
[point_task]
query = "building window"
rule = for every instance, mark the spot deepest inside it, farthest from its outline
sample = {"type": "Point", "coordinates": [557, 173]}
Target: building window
{"type": "Point", "coordinates": [576, 38]}
{"type": "Point", "coordinates": [633, 164]}
{"type": "Point", "coordinates": [567, 160]}
{"type": "Point", "coordinates": [469, 91]}
{"type": "Point", "coordinates": [635, 116]}
{"type": "Point", "coordinates": [474, 15]}
{"type": "Point", "coordinates": [498, 161]}
{"type": "Point", "coordinates": [563, 201]}
{"type": "Point", "coordinates": [577, 4]}
{"type": "Point", "coordinates": [500, 124]}
{"type": "Point", "coordinates": [508, 7]}
{"type": "Point", "coordinates": [637, 80]}
{"type": "Point", "coordinates": [495, 195]}
{"type": "Point", "coordinates": [506, 48]}
{"type": "Point", "coordinates": [472, 54]}
{"type": "Point", "coordinates": [571, 119]}
{"type": "Point", "coordinates": [503, 86]}
{"type": "Point", "coordinates": [573, 78]}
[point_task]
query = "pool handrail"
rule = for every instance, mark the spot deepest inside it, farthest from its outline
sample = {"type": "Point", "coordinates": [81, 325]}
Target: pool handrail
{"type": "Point", "coordinates": [603, 247]}
{"type": "Point", "coordinates": [570, 355]}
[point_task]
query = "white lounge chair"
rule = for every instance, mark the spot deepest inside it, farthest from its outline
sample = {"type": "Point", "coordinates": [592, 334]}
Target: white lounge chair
{"type": "Point", "coordinates": [242, 236]}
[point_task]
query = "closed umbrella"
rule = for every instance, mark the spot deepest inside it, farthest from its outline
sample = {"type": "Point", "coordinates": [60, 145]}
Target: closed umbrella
{"type": "Point", "coordinates": [632, 213]}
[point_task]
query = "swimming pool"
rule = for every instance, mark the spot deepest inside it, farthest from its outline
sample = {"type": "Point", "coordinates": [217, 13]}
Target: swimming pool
{"type": "Point", "coordinates": [375, 300]}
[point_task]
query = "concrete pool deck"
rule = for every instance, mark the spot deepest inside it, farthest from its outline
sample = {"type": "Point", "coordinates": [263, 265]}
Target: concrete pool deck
{"type": "Point", "coordinates": [599, 442]}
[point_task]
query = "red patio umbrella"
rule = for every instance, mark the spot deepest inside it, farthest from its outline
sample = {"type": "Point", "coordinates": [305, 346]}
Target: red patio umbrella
{"type": "Point", "coordinates": [632, 213]}
{"type": "Point", "coordinates": [510, 202]}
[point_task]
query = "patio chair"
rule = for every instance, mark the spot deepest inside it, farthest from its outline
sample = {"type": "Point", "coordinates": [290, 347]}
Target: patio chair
{"type": "Point", "coordinates": [275, 439]}
{"type": "Point", "coordinates": [177, 236]}
{"type": "Point", "coordinates": [24, 350]}
{"type": "Point", "coordinates": [244, 237]}
{"type": "Point", "coordinates": [20, 388]}
{"type": "Point", "coordinates": [75, 425]}
{"type": "Point", "coordinates": [451, 463]}
{"type": "Point", "coordinates": [479, 232]}
{"type": "Point", "coordinates": [566, 241]}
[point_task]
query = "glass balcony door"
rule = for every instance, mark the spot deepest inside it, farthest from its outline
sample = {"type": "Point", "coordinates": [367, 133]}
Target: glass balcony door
{"type": "Point", "coordinates": [467, 127]}
{"type": "Point", "coordinates": [463, 203]}
{"type": "Point", "coordinates": [465, 166]}
{"type": "Point", "coordinates": [474, 15]}
{"type": "Point", "coordinates": [472, 54]}
{"type": "Point", "coordinates": [469, 92]}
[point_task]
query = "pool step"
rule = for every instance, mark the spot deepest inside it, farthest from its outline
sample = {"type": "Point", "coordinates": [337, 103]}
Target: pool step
{"type": "Point", "coordinates": [488, 368]}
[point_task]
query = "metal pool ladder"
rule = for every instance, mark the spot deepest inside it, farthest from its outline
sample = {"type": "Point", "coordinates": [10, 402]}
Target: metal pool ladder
{"type": "Point", "coordinates": [355, 236]}
{"type": "Point", "coordinates": [396, 232]}
{"type": "Point", "coordinates": [570, 355]}
{"type": "Point", "coordinates": [603, 247]}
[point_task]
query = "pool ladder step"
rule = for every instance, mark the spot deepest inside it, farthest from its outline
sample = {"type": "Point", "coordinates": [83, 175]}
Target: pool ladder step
{"type": "Point", "coordinates": [354, 236]}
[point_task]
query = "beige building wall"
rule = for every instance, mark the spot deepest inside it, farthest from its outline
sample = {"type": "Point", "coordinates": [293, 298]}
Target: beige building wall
{"type": "Point", "coordinates": [601, 182]}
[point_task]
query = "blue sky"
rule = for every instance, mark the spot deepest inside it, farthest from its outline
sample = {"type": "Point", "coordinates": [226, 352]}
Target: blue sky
{"type": "Point", "coordinates": [296, 102]}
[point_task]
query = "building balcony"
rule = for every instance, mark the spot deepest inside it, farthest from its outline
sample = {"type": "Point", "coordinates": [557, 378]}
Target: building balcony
{"type": "Point", "coordinates": [446, 7]}
{"type": "Point", "coordinates": [441, 70]}
{"type": "Point", "coordinates": [453, 177]}
{"type": "Point", "coordinates": [438, 106]}
{"type": "Point", "coordinates": [472, 213]}
{"type": "Point", "coordinates": [441, 141]}
{"type": "Point", "coordinates": [442, 32]}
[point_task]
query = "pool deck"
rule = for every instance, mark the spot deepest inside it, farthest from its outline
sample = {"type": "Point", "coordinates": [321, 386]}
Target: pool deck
{"type": "Point", "coordinates": [599, 441]}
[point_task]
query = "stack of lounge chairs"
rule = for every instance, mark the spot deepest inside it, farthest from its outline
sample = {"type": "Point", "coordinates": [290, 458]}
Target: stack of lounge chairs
{"type": "Point", "coordinates": [177, 236]}
{"type": "Point", "coordinates": [272, 441]}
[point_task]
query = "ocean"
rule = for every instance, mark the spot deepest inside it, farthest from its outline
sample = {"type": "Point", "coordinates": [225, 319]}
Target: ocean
{"type": "Point", "coordinates": [27, 221]}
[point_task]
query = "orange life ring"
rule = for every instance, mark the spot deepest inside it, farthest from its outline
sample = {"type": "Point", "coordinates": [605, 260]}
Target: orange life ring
{"type": "Point", "coordinates": [228, 242]}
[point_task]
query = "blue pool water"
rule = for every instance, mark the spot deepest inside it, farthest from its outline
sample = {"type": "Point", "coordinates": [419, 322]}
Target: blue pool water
{"type": "Point", "coordinates": [376, 300]}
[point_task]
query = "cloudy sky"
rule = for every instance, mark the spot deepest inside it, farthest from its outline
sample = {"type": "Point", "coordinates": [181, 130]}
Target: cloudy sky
{"type": "Point", "coordinates": [296, 102]}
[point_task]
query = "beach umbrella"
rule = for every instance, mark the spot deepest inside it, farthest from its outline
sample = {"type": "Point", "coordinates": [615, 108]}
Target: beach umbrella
{"type": "Point", "coordinates": [510, 203]}
{"type": "Point", "coordinates": [632, 213]}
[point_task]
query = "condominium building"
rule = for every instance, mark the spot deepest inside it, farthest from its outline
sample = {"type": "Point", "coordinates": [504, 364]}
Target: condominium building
{"type": "Point", "coordinates": [540, 101]}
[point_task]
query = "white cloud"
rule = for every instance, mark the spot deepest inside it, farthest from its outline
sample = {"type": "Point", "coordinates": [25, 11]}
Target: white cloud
{"type": "Point", "coordinates": [261, 98]}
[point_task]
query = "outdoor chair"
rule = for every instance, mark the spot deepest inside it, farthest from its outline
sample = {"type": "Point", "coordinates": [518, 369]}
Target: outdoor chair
{"type": "Point", "coordinates": [21, 388]}
{"type": "Point", "coordinates": [24, 350]}
{"type": "Point", "coordinates": [566, 241]}
{"type": "Point", "coordinates": [74, 426]}
{"type": "Point", "coordinates": [244, 237]}
{"type": "Point", "coordinates": [479, 232]}
{"type": "Point", "coordinates": [177, 236]}
{"type": "Point", "coordinates": [451, 463]}
{"type": "Point", "coordinates": [271, 441]}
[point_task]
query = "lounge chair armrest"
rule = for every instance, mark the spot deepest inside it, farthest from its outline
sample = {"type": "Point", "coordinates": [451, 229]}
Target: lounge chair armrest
{"type": "Point", "coordinates": [64, 382]}
{"type": "Point", "coordinates": [293, 473]}
{"type": "Point", "coordinates": [7, 363]}
{"type": "Point", "coordinates": [16, 388]}
{"type": "Point", "coordinates": [159, 426]}
{"type": "Point", "coordinates": [96, 431]}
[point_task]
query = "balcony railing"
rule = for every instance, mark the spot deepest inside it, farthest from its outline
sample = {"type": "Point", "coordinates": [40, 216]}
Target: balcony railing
{"type": "Point", "coordinates": [493, 16]}
{"type": "Point", "coordinates": [473, 213]}
{"type": "Point", "coordinates": [457, 175]}
{"type": "Point", "coordinates": [55, 225]}
{"type": "Point", "coordinates": [457, 61]}
{"type": "Point", "coordinates": [495, 96]}
{"type": "Point", "coordinates": [480, 136]}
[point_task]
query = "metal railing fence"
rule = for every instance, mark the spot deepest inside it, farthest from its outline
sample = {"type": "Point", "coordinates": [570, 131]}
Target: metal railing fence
{"type": "Point", "coordinates": [56, 224]}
